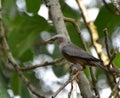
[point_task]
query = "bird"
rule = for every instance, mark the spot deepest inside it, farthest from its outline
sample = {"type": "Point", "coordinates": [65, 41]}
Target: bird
{"type": "Point", "coordinates": [73, 53]}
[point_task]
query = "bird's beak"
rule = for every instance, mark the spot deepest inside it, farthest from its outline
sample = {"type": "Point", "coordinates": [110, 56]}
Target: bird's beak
{"type": "Point", "coordinates": [51, 40]}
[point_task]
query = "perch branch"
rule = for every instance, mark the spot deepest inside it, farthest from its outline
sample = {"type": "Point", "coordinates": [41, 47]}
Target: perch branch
{"type": "Point", "coordinates": [79, 33]}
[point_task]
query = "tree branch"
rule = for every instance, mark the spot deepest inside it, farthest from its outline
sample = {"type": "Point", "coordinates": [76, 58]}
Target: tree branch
{"type": "Point", "coordinates": [57, 16]}
{"type": "Point", "coordinates": [31, 67]}
{"type": "Point", "coordinates": [58, 21]}
{"type": "Point", "coordinates": [12, 60]}
{"type": "Point", "coordinates": [84, 86]}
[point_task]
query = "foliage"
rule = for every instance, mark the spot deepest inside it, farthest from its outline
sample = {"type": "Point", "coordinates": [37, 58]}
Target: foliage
{"type": "Point", "coordinates": [23, 29]}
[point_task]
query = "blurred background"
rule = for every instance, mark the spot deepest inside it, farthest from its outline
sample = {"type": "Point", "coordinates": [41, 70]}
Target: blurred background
{"type": "Point", "coordinates": [27, 23]}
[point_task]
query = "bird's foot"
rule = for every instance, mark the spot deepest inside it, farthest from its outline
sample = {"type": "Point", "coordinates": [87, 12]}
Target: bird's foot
{"type": "Point", "coordinates": [75, 68]}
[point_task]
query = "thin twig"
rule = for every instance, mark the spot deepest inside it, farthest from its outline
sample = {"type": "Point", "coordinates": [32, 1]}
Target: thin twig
{"type": "Point", "coordinates": [107, 47]}
{"type": "Point", "coordinates": [43, 42]}
{"type": "Point", "coordinates": [106, 42]}
{"type": "Point", "coordinates": [107, 6]}
{"type": "Point", "coordinates": [114, 89]}
{"type": "Point", "coordinates": [94, 81]}
{"type": "Point", "coordinates": [69, 94]}
{"type": "Point", "coordinates": [65, 84]}
{"type": "Point", "coordinates": [41, 65]}
{"type": "Point", "coordinates": [116, 4]}
{"type": "Point", "coordinates": [76, 27]}
{"type": "Point", "coordinates": [32, 67]}
{"type": "Point", "coordinates": [112, 68]}
{"type": "Point", "coordinates": [112, 58]}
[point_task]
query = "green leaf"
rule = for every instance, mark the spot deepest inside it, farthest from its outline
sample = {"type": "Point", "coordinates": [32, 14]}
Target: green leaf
{"type": "Point", "coordinates": [87, 72]}
{"type": "Point", "coordinates": [27, 56]}
{"type": "Point", "coordinates": [15, 83]}
{"type": "Point", "coordinates": [31, 76]}
{"type": "Point", "coordinates": [56, 52]}
{"type": "Point", "coordinates": [117, 60]}
{"type": "Point", "coordinates": [75, 38]}
{"type": "Point", "coordinates": [33, 5]}
{"type": "Point", "coordinates": [107, 19]}
{"type": "Point", "coordinates": [3, 89]}
{"type": "Point", "coordinates": [25, 92]}
{"type": "Point", "coordinates": [58, 70]}
{"type": "Point", "coordinates": [68, 11]}
{"type": "Point", "coordinates": [24, 31]}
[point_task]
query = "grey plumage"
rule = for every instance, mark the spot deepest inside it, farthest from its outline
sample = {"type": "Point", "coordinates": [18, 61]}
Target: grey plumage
{"type": "Point", "coordinates": [74, 54]}
{"type": "Point", "coordinates": [75, 51]}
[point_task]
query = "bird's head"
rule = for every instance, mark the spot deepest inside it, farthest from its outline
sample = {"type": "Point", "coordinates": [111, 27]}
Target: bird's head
{"type": "Point", "coordinates": [59, 38]}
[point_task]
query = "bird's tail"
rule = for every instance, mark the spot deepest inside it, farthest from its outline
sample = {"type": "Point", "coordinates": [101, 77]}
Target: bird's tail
{"type": "Point", "coordinates": [100, 65]}
{"type": "Point", "coordinates": [112, 70]}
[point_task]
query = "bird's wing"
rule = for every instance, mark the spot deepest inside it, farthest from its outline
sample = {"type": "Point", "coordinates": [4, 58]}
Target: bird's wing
{"type": "Point", "coordinates": [75, 51]}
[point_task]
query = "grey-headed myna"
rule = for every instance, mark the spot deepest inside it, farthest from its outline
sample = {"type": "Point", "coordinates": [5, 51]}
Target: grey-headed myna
{"type": "Point", "coordinates": [73, 53]}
